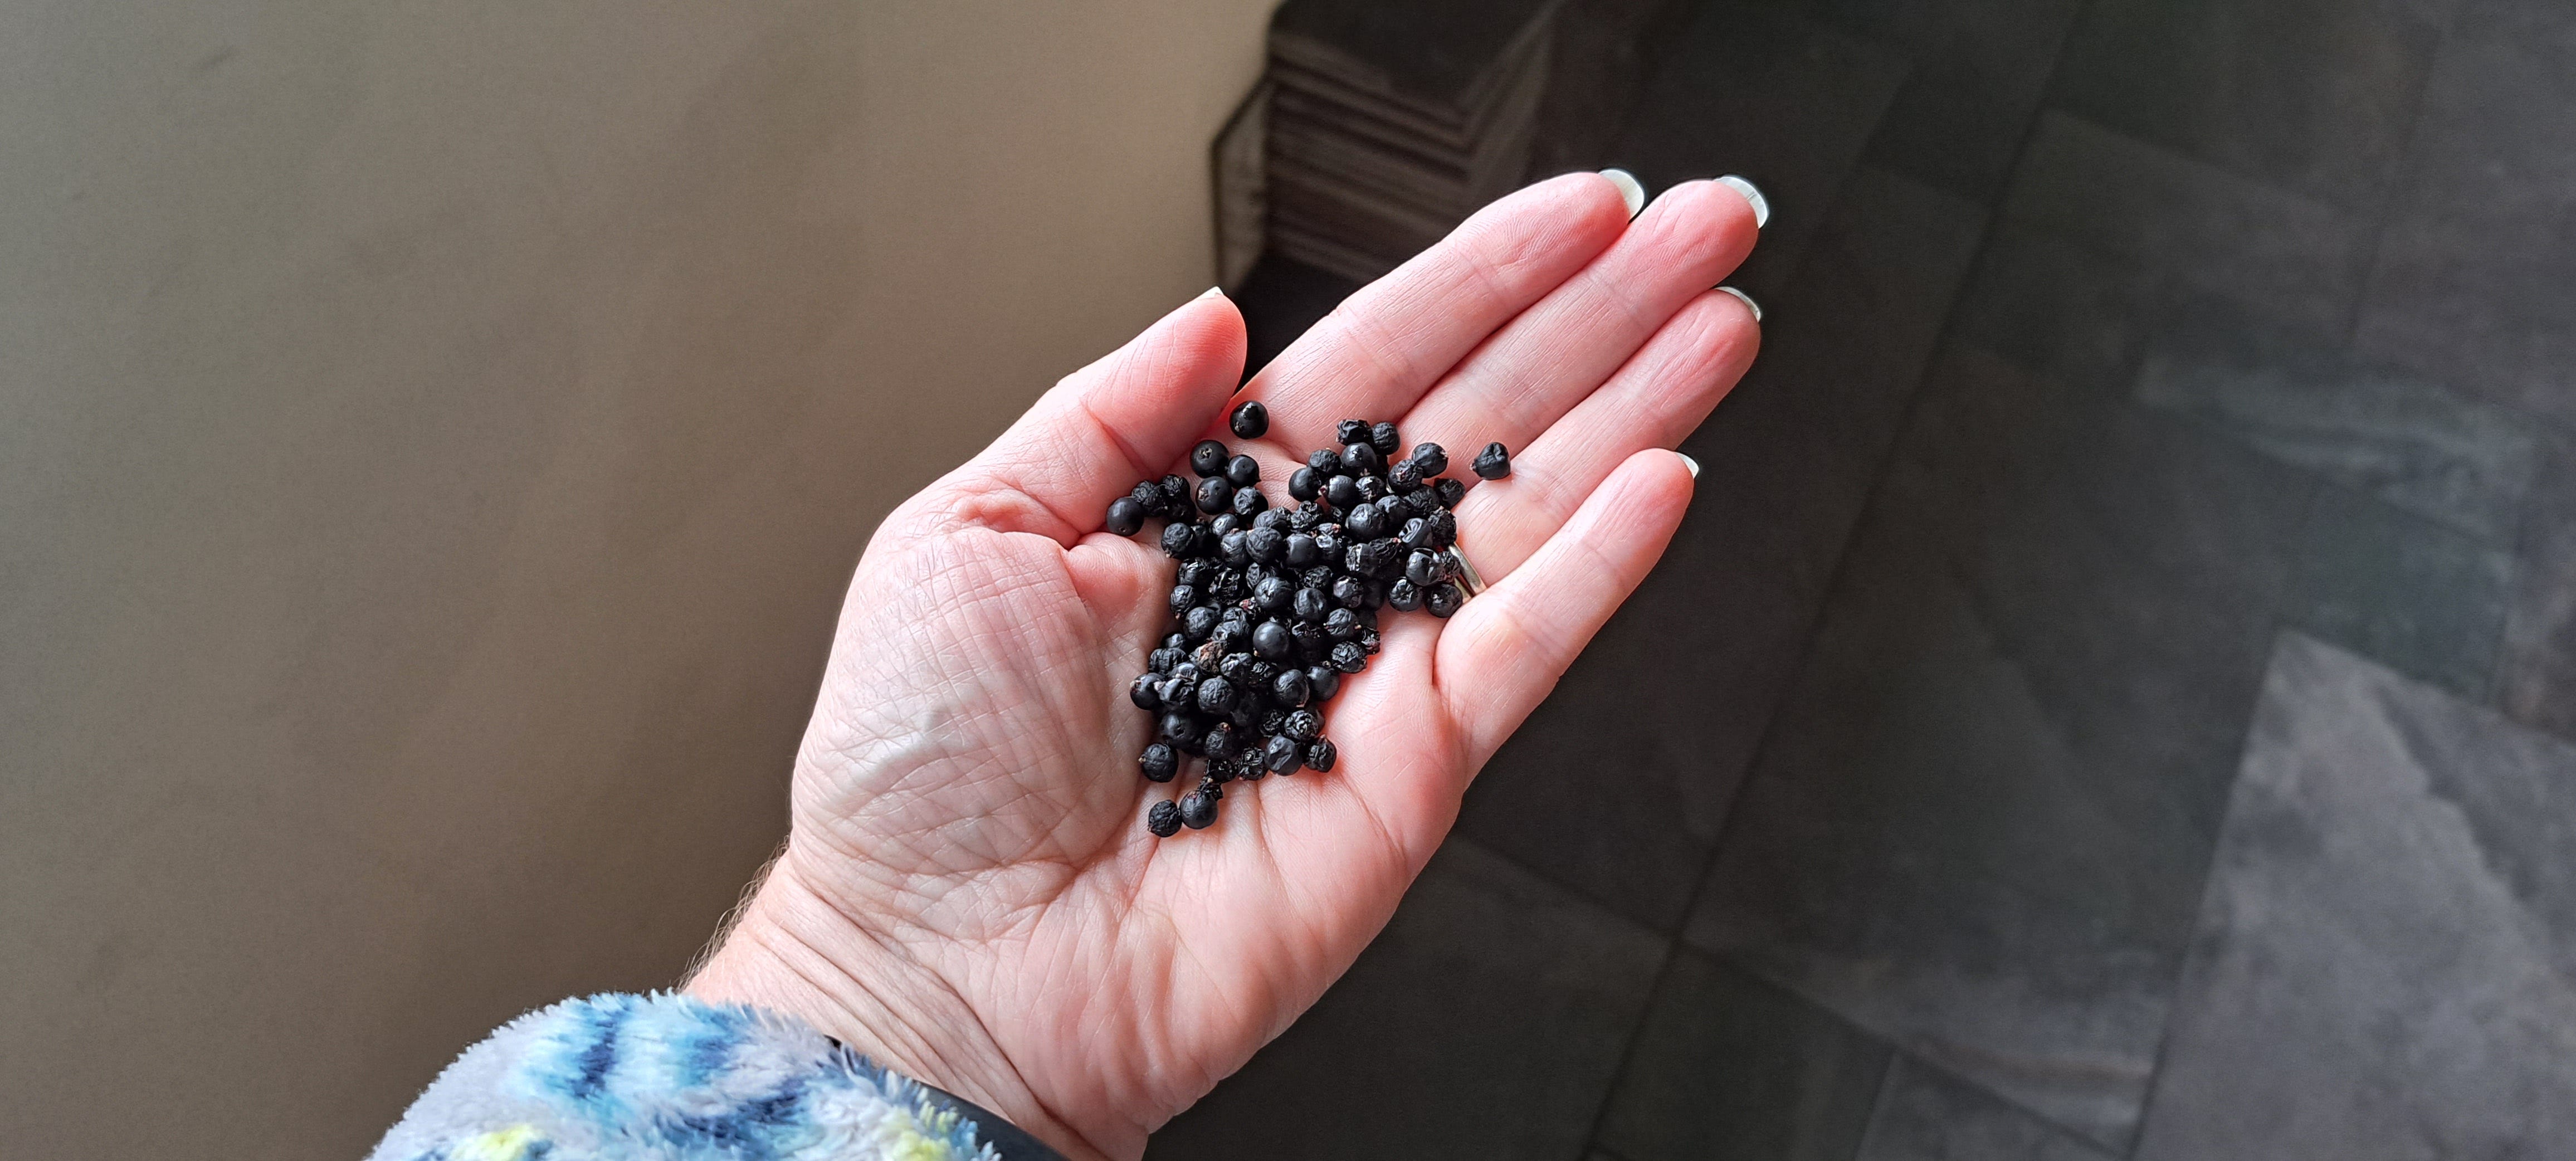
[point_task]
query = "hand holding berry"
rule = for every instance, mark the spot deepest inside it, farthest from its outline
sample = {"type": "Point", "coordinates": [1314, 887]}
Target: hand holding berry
{"type": "Point", "coordinates": [973, 889]}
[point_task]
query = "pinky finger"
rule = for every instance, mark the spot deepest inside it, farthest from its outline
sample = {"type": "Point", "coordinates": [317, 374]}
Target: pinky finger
{"type": "Point", "coordinates": [1506, 649]}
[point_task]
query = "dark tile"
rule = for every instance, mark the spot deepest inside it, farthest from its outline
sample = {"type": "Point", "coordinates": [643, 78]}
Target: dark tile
{"type": "Point", "coordinates": [1980, 67]}
{"type": "Point", "coordinates": [1727, 1066]}
{"type": "Point", "coordinates": [1487, 1020]}
{"type": "Point", "coordinates": [1925, 1114]}
{"type": "Point", "coordinates": [2382, 967]}
{"type": "Point", "coordinates": [2058, 309]}
{"type": "Point", "coordinates": [2475, 281]}
{"type": "Point", "coordinates": [1602, 55]}
{"type": "Point", "coordinates": [2536, 676]}
{"type": "Point", "coordinates": [2317, 96]}
{"type": "Point", "coordinates": [1978, 825]}
{"type": "Point", "coordinates": [1280, 299]}
{"type": "Point", "coordinates": [1763, 92]}
{"type": "Point", "coordinates": [2292, 257]}
{"type": "Point", "coordinates": [1951, 138]}
{"type": "Point", "coordinates": [2402, 590]}
{"type": "Point", "coordinates": [1695, 661]}
{"type": "Point", "coordinates": [2458, 461]}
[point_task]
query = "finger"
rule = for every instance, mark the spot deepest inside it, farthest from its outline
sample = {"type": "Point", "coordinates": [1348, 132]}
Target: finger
{"type": "Point", "coordinates": [1656, 400]}
{"type": "Point", "coordinates": [1548, 360]}
{"type": "Point", "coordinates": [1505, 650]}
{"type": "Point", "coordinates": [1391, 340]}
{"type": "Point", "coordinates": [1087, 441]}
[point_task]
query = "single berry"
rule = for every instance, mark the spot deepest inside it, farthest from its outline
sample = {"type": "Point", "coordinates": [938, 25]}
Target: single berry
{"type": "Point", "coordinates": [1359, 458]}
{"type": "Point", "coordinates": [1146, 692]}
{"type": "Point", "coordinates": [1322, 682]}
{"type": "Point", "coordinates": [1310, 639]}
{"type": "Point", "coordinates": [1221, 742]}
{"type": "Point", "coordinates": [1183, 596]}
{"type": "Point", "coordinates": [1158, 763]}
{"type": "Point", "coordinates": [1163, 820]}
{"type": "Point", "coordinates": [1340, 625]}
{"type": "Point", "coordinates": [1366, 522]}
{"type": "Point", "coordinates": [1289, 688]}
{"type": "Point", "coordinates": [1443, 599]}
{"type": "Point", "coordinates": [1310, 604]}
{"type": "Point", "coordinates": [1321, 755]}
{"type": "Point", "coordinates": [1216, 696]}
{"type": "Point", "coordinates": [1404, 596]}
{"type": "Point", "coordinates": [1431, 458]}
{"type": "Point", "coordinates": [1351, 431]}
{"type": "Point", "coordinates": [1493, 463]}
{"type": "Point", "coordinates": [1444, 528]}
{"type": "Point", "coordinates": [1404, 476]}
{"type": "Point", "coordinates": [1422, 569]}
{"type": "Point", "coordinates": [1275, 595]}
{"type": "Point", "coordinates": [1282, 755]}
{"type": "Point", "coordinates": [1265, 544]}
{"type": "Point", "coordinates": [1302, 725]}
{"type": "Point", "coordinates": [1243, 471]}
{"type": "Point", "coordinates": [1148, 497]}
{"type": "Point", "coordinates": [1372, 489]}
{"type": "Point", "coordinates": [1239, 668]}
{"type": "Point", "coordinates": [1416, 534]}
{"type": "Point", "coordinates": [1342, 491]}
{"type": "Point", "coordinates": [1272, 642]}
{"type": "Point", "coordinates": [1305, 483]}
{"type": "Point", "coordinates": [1208, 458]}
{"type": "Point", "coordinates": [1179, 539]}
{"type": "Point", "coordinates": [1384, 438]}
{"type": "Point", "coordinates": [1176, 495]}
{"type": "Point", "coordinates": [1249, 502]}
{"type": "Point", "coordinates": [1162, 660]}
{"type": "Point", "coordinates": [1329, 543]}
{"type": "Point", "coordinates": [1250, 420]}
{"type": "Point", "coordinates": [1230, 549]}
{"type": "Point", "coordinates": [1214, 495]}
{"type": "Point", "coordinates": [1450, 491]}
{"type": "Point", "coordinates": [1324, 460]}
{"type": "Point", "coordinates": [1275, 519]}
{"type": "Point", "coordinates": [1181, 729]}
{"type": "Point", "coordinates": [1299, 551]}
{"type": "Point", "coordinates": [1350, 656]}
{"type": "Point", "coordinates": [1197, 809]}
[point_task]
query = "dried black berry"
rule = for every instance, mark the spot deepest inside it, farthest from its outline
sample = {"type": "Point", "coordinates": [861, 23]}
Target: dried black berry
{"type": "Point", "coordinates": [1404, 476]}
{"type": "Point", "coordinates": [1250, 420]}
{"type": "Point", "coordinates": [1366, 522]}
{"type": "Point", "coordinates": [1450, 491]}
{"type": "Point", "coordinates": [1416, 534]}
{"type": "Point", "coordinates": [1289, 688]}
{"type": "Point", "coordinates": [1264, 544]}
{"type": "Point", "coordinates": [1444, 528]}
{"type": "Point", "coordinates": [1359, 458]}
{"type": "Point", "coordinates": [1197, 809]}
{"type": "Point", "coordinates": [1214, 495]}
{"type": "Point", "coordinates": [1340, 625]}
{"type": "Point", "coordinates": [1126, 516]}
{"type": "Point", "coordinates": [1325, 461]}
{"type": "Point", "coordinates": [1249, 502]}
{"type": "Point", "coordinates": [1305, 483]}
{"type": "Point", "coordinates": [1163, 820]}
{"type": "Point", "coordinates": [1404, 596]}
{"type": "Point", "coordinates": [1422, 569]}
{"type": "Point", "coordinates": [1432, 458]}
{"type": "Point", "coordinates": [1282, 755]}
{"type": "Point", "coordinates": [1275, 595]}
{"type": "Point", "coordinates": [1322, 682]}
{"type": "Point", "coordinates": [1377, 558]}
{"type": "Point", "coordinates": [1275, 519]}
{"type": "Point", "coordinates": [1385, 439]}
{"type": "Point", "coordinates": [1349, 592]}
{"type": "Point", "coordinates": [1230, 549]}
{"type": "Point", "coordinates": [1208, 458]}
{"type": "Point", "coordinates": [1311, 604]}
{"type": "Point", "coordinates": [1443, 599]}
{"type": "Point", "coordinates": [1162, 660]}
{"type": "Point", "coordinates": [1310, 639]}
{"type": "Point", "coordinates": [1178, 539]}
{"type": "Point", "coordinates": [1146, 691]}
{"type": "Point", "coordinates": [1216, 696]}
{"type": "Point", "coordinates": [1371, 488]}
{"type": "Point", "coordinates": [1350, 431]}
{"type": "Point", "coordinates": [1302, 725]}
{"type": "Point", "coordinates": [1350, 656]}
{"type": "Point", "coordinates": [1299, 551]}
{"type": "Point", "coordinates": [1342, 491]}
{"type": "Point", "coordinates": [1176, 496]}
{"type": "Point", "coordinates": [1181, 729]}
{"type": "Point", "coordinates": [1493, 463]}
{"type": "Point", "coordinates": [1318, 578]}
{"type": "Point", "coordinates": [1329, 542]}
{"type": "Point", "coordinates": [1243, 471]}
{"type": "Point", "coordinates": [1148, 497]}
{"type": "Point", "coordinates": [1221, 742]}
{"type": "Point", "coordinates": [1241, 669]}
{"type": "Point", "coordinates": [1321, 755]}
{"type": "Point", "coordinates": [1271, 641]}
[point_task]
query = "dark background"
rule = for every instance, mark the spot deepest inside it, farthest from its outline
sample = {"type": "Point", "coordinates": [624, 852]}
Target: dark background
{"type": "Point", "coordinates": [2113, 694]}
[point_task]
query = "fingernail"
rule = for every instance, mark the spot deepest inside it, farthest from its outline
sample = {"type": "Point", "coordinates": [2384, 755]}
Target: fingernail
{"type": "Point", "coordinates": [1761, 205]}
{"type": "Point", "coordinates": [1744, 298]}
{"type": "Point", "coordinates": [1629, 190]}
{"type": "Point", "coordinates": [1690, 463]}
{"type": "Point", "coordinates": [1212, 292]}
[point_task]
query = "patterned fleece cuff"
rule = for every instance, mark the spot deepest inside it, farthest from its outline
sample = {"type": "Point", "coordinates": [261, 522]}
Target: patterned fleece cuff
{"type": "Point", "coordinates": [663, 1077]}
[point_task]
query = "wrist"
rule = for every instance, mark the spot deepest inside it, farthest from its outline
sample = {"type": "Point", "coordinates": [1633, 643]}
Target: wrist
{"type": "Point", "coordinates": [794, 952]}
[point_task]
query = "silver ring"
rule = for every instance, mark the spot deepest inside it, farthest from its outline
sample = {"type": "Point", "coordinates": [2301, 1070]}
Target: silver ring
{"type": "Point", "coordinates": [1468, 578]}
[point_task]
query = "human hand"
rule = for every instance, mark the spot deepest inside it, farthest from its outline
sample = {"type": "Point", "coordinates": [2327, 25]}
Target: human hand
{"type": "Point", "coordinates": [968, 892]}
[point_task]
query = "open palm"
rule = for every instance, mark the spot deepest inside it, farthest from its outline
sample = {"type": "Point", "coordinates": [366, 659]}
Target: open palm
{"type": "Point", "coordinates": [969, 893]}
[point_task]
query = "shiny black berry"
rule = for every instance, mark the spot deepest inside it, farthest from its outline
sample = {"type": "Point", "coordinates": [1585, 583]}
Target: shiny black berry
{"type": "Point", "coordinates": [1214, 495]}
{"type": "Point", "coordinates": [1230, 549]}
{"type": "Point", "coordinates": [1432, 458]}
{"type": "Point", "coordinates": [1221, 742]}
{"type": "Point", "coordinates": [1126, 517]}
{"type": "Point", "coordinates": [1250, 420]}
{"type": "Point", "coordinates": [1275, 595]}
{"type": "Point", "coordinates": [1243, 471]}
{"type": "Point", "coordinates": [1372, 489]}
{"type": "Point", "coordinates": [1249, 502]}
{"type": "Point", "coordinates": [1197, 809]}
{"type": "Point", "coordinates": [1302, 725]}
{"type": "Point", "coordinates": [1350, 656]}
{"type": "Point", "coordinates": [1290, 688]}
{"type": "Point", "coordinates": [1178, 539]}
{"type": "Point", "coordinates": [1146, 691]}
{"type": "Point", "coordinates": [1324, 460]}
{"type": "Point", "coordinates": [1310, 604]}
{"type": "Point", "coordinates": [1366, 522]}
{"type": "Point", "coordinates": [1264, 544]}
{"type": "Point", "coordinates": [1215, 696]}
{"type": "Point", "coordinates": [1422, 569]}
{"type": "Point", "coordinates": [1305, 483]}
{"type": "Point", "coordinates": [1385, 439]}
{"type": "Point", "coordinates": [1183, 596]}
{"type": "Point", "coordinates": [1322, 682]}
{"type": "Point", "coordinates": [1340, 625]}
{"type": "Point", "coordinates": [1271, 641]}
{"type": "Point", "coordinates": [1179, 728]}
{"type": "Point", "coordinates": [1321, 755]}
{"type": "Point", "coordinates": [1342, 491]}
{"type": "Point", "coordinates": [1359, 458]}
{"type": "Point", "coordinates": [1350, 431]}
{"type": "Point", "coordinates": [1299, 551]}
{"type": "Point", "coordinates": [1159, 762]}
{"type": "Point", "coordinates": [1416, 534]}
{"type": "Point", "coordinates": [1208, 458]}
{"type": "Point", "coordinates": [1404, 476]}
{"type": "Point", "coordinates": [1163, 820]}
{"type": "Point", "coordinates": [1283, 755]}
{"type": "Point", "coordinates": [1404, 596]}
{"type": "Point", "coordinates": [1493, 463]}
{"type": "Point", "coordinates": [1443, 599]}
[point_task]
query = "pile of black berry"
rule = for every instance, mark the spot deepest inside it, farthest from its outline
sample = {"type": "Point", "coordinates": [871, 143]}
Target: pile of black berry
{"type": "Point", "coordinates": [1274, 606]}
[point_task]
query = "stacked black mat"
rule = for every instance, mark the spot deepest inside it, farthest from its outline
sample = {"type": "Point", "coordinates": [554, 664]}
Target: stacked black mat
{"type": "Point", "coordinates": [1389, 123]}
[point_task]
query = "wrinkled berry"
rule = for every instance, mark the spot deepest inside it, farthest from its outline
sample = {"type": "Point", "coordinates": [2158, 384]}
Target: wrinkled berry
{"type": "Point", "coordinates": [1310, 640]}
{"type": "Point", "coordinates": [1249, 502]}
{"type": "Point", "coordinates": [1350, 656]}
{"type": "Point", "coordinates": [1264, 544]}
{"type": "Point", "coordinates": [1366, 522]}
{"type": "Point", "coordinates": [1299, 551]}
{"type": "Point", "coordinates": [1225, 522]}
{"type": "Point", "coordinates": [1181, 729]}
{"type": "Point", "coordinates": [1275, 595]}
{"type": "Point", "coordinates": [1272, 642]}
{"type": "Point", "coordinates": [1450, 491]}
{"type": "Point", "coordinates": [1239, 668]}
{"type": "Point", "coordinates": [1422, 569]}
{"type": "Point", "coordinates": [1208, 458]}
{"type": "Point", "coordinates": [1416, 534]}
{"type": "Point", "coordinates": [1310, 604]}
{"type": "Point", "coordinates": [1302, 725]}
{"type": "Point", "coordinates": [1146, 692]}
{"type": "Point", "coordinates": [1289, 688]}
{"type": "Point", "coordinates": [1349, 592]}
{"type": "Point", "coordinates": [1350, 431]}
{"type": "Point", "coordinates": [1243, 471]}
{"type": "Point", "coordinates": [1325, 461]}
{"type": "Point", "coordinates": [1377, 558]}
{"type": "Point", "coordinates": [1148, 497]}
{"type": "Point", "coordinates": [1221, 742]}
{"type": "Point", "coordinates": [1216, 695]}
{"type": "Point", "coordinates": [1176, 495]}
{"type": "Point", "coordinates": [1359, 458]}
{"type": "Point", "coordinates": [1229, 548]}
{"type": "Point", "coordinates": [1321, 755]}
{"type": "Point", "coordinates": [1385, 438]}
{"type": "Point", "coordinates": [1183, 596]}
{"type": "Point", "coordinates": [1305, 483]}
{"type": "Point", "coordinates": [1493, 463]}
{"type": "Point", "coordinates": [1163, 820]}
{"type": "Point", "coordinates": [1275, 519]}
{"type": "Point", "coordinates": [1444, 528]}
{"type": "Point", "coordinates": [1404, 476]}
{"type": "Point", "coordinates": [1329, 542]}
{"type": "Point", "coordinates": [1282, 755]}
{"type": "Point", "coordinates": [1432, 458]}
{"type": "Point", "coordinates": [1340, 625]}
{"type": "Point", "coordinates": [1404, 596]}
{"type": "Point", "coordinates": [1197, 809]}
{"type": "Point", "coordinates": [1250, 420]}
{"type": "Point", "coordinates": [1214, 495]}
{"type": "Point", "coordinates": [1162, 660]}
{"type": "Point", "coordinates": [1443, 599]}
{"type": "Point", "coordinates": [1178, 539]}
{"type": "Point", "coordinates": [1318, 578]}
{"type": "Point", "coordinates": [1371, 488]}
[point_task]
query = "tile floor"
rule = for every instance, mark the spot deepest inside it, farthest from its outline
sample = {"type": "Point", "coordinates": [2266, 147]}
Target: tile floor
{"type": "Point", "coordinates": [2126, 706]}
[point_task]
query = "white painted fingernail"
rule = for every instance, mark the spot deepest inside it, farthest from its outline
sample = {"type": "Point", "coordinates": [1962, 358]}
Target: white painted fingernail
{"type": "Point", "coordinates": [1744, 298]}
{"type": "Point", "coordinates": [1761, 205]}
{"type": "Point", "coordinates": [1630, 191]}
{"type": "Point", "coordinates": [1690, 463]}
{"type": "Point", "coordinates": [1213, 292]}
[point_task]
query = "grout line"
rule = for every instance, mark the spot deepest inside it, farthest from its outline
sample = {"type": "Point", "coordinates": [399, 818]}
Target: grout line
{"type": "Point", "coordinates": [1628, 1050]}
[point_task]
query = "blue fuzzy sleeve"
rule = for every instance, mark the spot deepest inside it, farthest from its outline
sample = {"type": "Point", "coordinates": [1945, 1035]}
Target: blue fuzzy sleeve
{"type": "Point", "coordinates": [667, 1078]}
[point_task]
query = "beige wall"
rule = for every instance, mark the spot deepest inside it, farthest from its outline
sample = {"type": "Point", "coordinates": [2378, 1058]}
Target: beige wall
{"type": "Point", "coordinates": [433, 439]}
